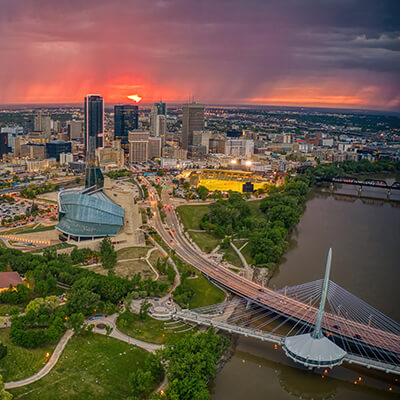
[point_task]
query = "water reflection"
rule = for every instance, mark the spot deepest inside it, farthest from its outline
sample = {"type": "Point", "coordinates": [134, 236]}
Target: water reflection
{"type": "Point", "coordinates": [364, 235]}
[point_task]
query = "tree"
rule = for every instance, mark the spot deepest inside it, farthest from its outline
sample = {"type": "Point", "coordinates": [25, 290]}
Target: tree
{"type": "Point", "coordinates": [202, 192]}
{"type": "Point", "coordinates": [140, 382]}
{"type": "Point", "coordinates": [4, 395]}
{"type": "Point", "coordinates": [108, 254]}
{"type": "Point", "coordinates": [3, 350]}
{"type": "Point", "coordinates": [144, 309]}
{"type": "Point", "coordinates": [75, 322]}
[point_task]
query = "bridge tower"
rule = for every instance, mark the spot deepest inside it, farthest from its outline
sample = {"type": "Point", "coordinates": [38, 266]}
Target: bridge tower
{"type": "Point", "coordinates": [315, 349]}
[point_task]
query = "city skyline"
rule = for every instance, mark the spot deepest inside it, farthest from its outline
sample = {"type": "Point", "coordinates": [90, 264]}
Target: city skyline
{"type": "Point", "coordinates": [337, 54]}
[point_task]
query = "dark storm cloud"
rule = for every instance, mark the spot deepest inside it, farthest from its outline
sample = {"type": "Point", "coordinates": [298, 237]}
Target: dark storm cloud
{"type": "Point", "coordinates": [220, 50]}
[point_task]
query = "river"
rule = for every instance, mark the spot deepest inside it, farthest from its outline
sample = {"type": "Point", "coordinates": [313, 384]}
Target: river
{"type": "Point", "coordinates": [365, 238]}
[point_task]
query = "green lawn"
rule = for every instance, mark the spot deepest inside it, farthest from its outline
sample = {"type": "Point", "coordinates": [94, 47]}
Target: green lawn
{"type": "Point", "coordinates": [231, 256]}
{"type": "Point", "coordinates": [150, 330]}
{"type": "Point", "coordinates": [19, 363]}
{"type": "Point", "coordinates": [92, 366]}
{"type": "Point", "coordinates": [191, 215]}
{"type": "Point", "coordinates": [247, 255]}
{"type": "Point", "coordinates": [132, 252]}
{"type": "Point", "coordinates": [206, 241]}
{"type": "Point", "coordinates": [29, 229]}
{"type": "Point", "coordinates": [154, 256]}
{"type": "Point", "coordinates": [206, 293]}
{"type": "Point", "coordinates": [57, 246]}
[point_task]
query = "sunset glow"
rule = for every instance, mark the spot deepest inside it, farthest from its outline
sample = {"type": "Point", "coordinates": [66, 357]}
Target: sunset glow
{"type": "Point", "coordinates": [135, 97]}
{"type": "Point", "coordinates": [177, 50]}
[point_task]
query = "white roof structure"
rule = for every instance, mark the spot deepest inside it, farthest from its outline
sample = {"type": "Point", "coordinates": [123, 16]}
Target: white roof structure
{"type": "Point", "coordinates": [313, 352]}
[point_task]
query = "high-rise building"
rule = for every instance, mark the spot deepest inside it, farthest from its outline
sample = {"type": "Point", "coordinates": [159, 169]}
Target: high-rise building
{"type": "Point", "coordinates": [3, 144]}
{"type": "Point", "coordinates": [139, 150]}
{"type": "Point", "coordinates": [42, 123]}
{"type": "Point", "coordinates": [126, 118]}
{"type": "Point", "coordinates": [158, 119]}
{"type": "Point", "coordinates": [56, 147]}
{"type": "Point", "coordinates": [193, 120]}
{"type": "Point", "coordinates": [155, 147]}
{"type": "Point", "coordinates": [161, 108]}
{"type": "Point", "coordinates": [75, 130]}
{"type": "Point", "coordinates": [94, 138]}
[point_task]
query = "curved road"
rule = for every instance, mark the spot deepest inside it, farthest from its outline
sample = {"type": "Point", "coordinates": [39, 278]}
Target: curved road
{"type": "Point", "coordinates": [282, 304]}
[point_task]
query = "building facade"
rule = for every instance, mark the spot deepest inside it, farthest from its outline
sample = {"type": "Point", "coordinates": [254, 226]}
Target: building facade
{"type": "Point", "coordinates": [126, 118]}
{"type": "Point", "coordinates": [56, 147]}
{"type": "Point", "coordinates": [139, 146]}
{"type": "Point", "coordinates": [193, 120]}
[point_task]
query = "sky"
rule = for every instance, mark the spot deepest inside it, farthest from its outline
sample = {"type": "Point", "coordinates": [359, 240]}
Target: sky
{"type": "Point", "coordinates": [328, 53]}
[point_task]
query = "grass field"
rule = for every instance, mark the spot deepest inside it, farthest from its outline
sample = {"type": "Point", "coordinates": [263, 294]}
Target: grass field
{"type": "Point", "coordinates": [231, 256]}
{"type": "Point", "coordinates": [206, 293]}
{"type": "Point", "coordinates": [150, 330]}
{"type": "Point", "coordinates": [191, 215]}
{"type": "Point", "coordinates": [57, 246]}
{"type": "Point", "coordinates": [19, 363]}
{"type": "Point", "coordinates": [132, 252]}
{"type": "Point", "coordinates": [29, 229]}
{"type": "Point", "coordinates": [206, 241]}
{"type": "Point", "coordinates": [126, 269]}
{"type": "Point", "coordinates": [91, 367]}
{"type": "Point", "coordinates": [154, 256]}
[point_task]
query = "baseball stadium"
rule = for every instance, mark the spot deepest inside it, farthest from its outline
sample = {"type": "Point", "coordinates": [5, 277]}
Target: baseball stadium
{"type": "Point", "coordinates": [225, 180]}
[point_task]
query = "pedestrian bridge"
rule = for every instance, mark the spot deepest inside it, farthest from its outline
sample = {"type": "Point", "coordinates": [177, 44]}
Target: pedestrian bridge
{"type": "Point", "coordinates": [318, 324]}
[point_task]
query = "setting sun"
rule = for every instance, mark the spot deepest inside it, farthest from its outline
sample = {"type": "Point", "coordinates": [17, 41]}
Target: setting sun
{"type": "Point", "coordinates": [135, 97]}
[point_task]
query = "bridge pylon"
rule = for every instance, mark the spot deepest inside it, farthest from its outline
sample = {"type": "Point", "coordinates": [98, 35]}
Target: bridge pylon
{"type": "Point", "coordinates": [315, 349]}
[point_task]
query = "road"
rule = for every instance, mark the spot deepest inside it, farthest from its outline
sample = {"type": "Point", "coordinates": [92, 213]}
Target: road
{"type": "Point", "coordinates": [286, 306]}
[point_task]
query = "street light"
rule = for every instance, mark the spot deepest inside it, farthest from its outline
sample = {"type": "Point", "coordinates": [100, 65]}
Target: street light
{"type": "Point", "coordinates": [248, 163]}
{"type": "Point", "coordinates": [233, 161]}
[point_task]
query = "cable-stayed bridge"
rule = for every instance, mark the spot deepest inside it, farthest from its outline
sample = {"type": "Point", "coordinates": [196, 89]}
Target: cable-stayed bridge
{"type": "Point", "coordinates": [327, 324]}
{"type": "Point", "coordinates": [318, 324]}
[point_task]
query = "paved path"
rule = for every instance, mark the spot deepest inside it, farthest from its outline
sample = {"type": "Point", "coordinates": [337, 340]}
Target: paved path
{"type": "Point", "coordinates": [116, 334]}
{"type": "Point", "coordinates": [248, 270]}
{"type": "Point", "coordinates": [48, 367]}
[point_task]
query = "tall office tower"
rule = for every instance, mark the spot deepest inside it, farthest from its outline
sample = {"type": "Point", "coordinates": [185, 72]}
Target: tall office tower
{"type": "Point", "coordinates": [42, 123]}
{"type": "Point", "coordinates": [3, 144]}
{"type": "Point", "coordinates": [94, 139]}
{"type": "Point", "coordinates": [161, 108]}
{"type": "Point", "coordinates": [158, 119]}
{"type": "Point", "coordinates": [37, 121]}
{"type": "Point", "coordinates": [75, 130]}
{"type": "Point", "coordinates": [126, 118]}
{"type": "Point", "coordinates": [139, 149]}
{"type": "Point", "coordinates": [193, 120]}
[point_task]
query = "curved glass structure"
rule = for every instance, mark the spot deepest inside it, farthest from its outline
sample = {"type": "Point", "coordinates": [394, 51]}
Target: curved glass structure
{"type": "Point", "coordinates": [88, 215]}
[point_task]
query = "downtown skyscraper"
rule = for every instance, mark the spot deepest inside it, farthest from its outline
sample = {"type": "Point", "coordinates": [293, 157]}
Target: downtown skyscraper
{"type": "Point", "coordinates": [126, 118]}
{"type": "Point", "coordinates": [94, 138]}
{"type": "Point", "coordinates": [193, 120]}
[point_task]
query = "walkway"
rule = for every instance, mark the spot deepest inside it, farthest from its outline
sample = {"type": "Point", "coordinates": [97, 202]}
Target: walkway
{"type": "Point", "coordinates": [116, 334]}
{"type": "Point", "coordinates": [48, 367]}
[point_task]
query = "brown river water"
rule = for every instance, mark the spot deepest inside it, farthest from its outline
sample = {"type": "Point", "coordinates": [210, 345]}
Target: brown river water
{"type": "Point", "coordinates": [365, 238]}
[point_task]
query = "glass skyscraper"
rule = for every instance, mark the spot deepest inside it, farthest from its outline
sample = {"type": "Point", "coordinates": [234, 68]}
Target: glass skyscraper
{"type": "Point", "coordinates": [94, 138]}
{"type": "Point", "coordinates": [126, 118]}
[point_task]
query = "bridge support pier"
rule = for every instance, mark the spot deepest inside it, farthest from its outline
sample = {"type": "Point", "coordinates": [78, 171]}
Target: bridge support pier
{"type": "Point", "coordinates": [248, 304]}
{"type": "Point", "coordinates": [388, 192]}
